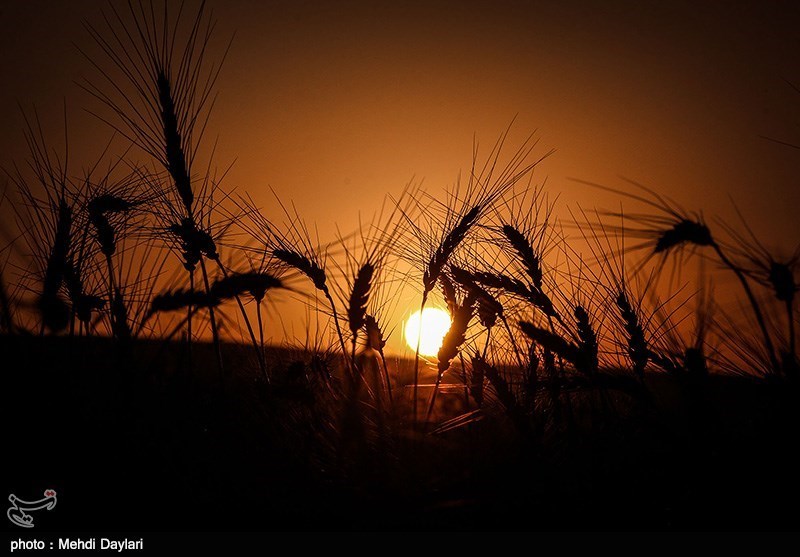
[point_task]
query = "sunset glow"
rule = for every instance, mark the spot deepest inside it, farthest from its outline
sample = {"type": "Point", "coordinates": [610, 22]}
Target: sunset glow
{"type": "Point", "coordinates": [318, 266]}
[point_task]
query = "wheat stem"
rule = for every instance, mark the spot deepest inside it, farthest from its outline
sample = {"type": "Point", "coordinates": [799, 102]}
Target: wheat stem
{"type": "Point", "coordinates": [416, 358]}
{"type": "Point", "coordinates": [261, 361]}
{"type": "Point", "coordinates": [513, 342]}
{"type": "Point", "coordinates": [110, 267]}
{"type": "Point", "coordinates": [464, 378]}
{"type": "Point", "coordinates": [353, 358]}
{"type": "Point", "coordinates": [386, 374]}
{"type": "Point", "coordinates": [754, 304]}
{"type": "Point", "coordinates": [212, 318]}
{"type": "Point", "coordinates": [189, 314]}
{"type": "Point", "coordinates": [261, 335]}
{"type": "Point", "coordinates": [336, 324]}
{"type": "Point", "coordinates": [439, 376]}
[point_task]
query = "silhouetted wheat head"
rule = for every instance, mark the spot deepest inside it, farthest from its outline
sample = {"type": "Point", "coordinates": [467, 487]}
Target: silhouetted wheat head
{"type": "Point", "coordinates": [449, 294]}
{"type": "Point", "coordinates": [638, 351]}
{"type": "Point", "coordinates": [583, 356]}
{"type": "Point", "coordinates": [305, 265]}
{"type": "Point", "coordinates": [291, 247]}
{"type": "Point", "coordinates": [375, 337]}
{"type": "Point", "coordinates": [383, 305]}
{"type": "Point", "coordinates": [45, 215]}
{"type": "Point", "coordinates": [669, 229]}
{"type": "Point", "coordinates": [588, 346]}
{"type": "Point", "coordinates": [622, 295]}
{"type": "Point", "coordinates": [157, 83]}
{"type": "Point", "coordinates": [478, 377]}
{"type": "Point", "coordinates": [357, 304]}
{"type": "Point", "coordinates": [686, 354]}
{"type": "Point", "coordinates": [254, 283]}
{"type": "Point", "coordinates": [775, 273]}
{"type": "Point", "coordinates": [457, 333]}
{"type": "Point", "coordinates": [439, 228]}
{"type": "Point", "coordinates": [93, 258]}
{"type": "Point", "coordinates": [453, 341]}
{"type": "Point", "coordinates": [181, 299]}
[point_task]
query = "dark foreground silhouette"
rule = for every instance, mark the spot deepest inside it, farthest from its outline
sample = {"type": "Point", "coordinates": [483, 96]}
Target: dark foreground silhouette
{"type": "Point", "coordinates": [130, 438]}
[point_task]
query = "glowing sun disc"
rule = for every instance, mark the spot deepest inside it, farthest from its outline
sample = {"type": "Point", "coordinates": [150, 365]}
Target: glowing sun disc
{"type": "Point", "coordinates": [435, 324]}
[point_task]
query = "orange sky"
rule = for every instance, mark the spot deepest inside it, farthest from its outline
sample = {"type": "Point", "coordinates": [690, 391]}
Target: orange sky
{"type": "Point", "coordinates": [336, 104]}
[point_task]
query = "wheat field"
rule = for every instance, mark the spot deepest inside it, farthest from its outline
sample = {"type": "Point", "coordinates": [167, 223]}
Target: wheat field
{"type": "Point", "coordinates": [589, 377]}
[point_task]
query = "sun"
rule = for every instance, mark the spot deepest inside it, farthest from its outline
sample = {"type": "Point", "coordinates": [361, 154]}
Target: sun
{"type": "Point", "coordinates": [435, 324]}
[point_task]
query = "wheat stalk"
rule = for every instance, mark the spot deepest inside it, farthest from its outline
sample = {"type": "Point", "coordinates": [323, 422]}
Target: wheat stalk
{"type": "Point", "coordinates": [55, 313]}
{"type": "Point", "coordinates": [638, 351]}
{"type": "Point", "coordinates": [317, 275]}
{"type": "Point", "coordinates": [455, 337]}
{"type": "Point", "coordinates": [180, 299]}
{"type": "Point", "coordinates": [504, 393]}
{"type": "Point", "coordinates": [448, 293]}
{"type": "Point", "coordinates": [587, 346]}
{"type": "Point", "coordinates": [377, 342]}
{"type": "Point", "coordinates": [477, 379]}
{"type": "Point", "coordinates": [526, 253]}
{"type": "Point", "coordinates": [450, 242]}
{"type": "Point", "coordinates": [357, 304]}
{"type": "Point", "coordinates": [119, 312]}
{"type": "Point", "coordinates": [256, 284]}
{"type": "Point", "coordinates": [161, 98]}
{"type": "Point", "coordinates": [551, 341]}
{"type": "Point", "coordinates": [673, 229]}
{"type": "Point", "coordinates": [531, 371]}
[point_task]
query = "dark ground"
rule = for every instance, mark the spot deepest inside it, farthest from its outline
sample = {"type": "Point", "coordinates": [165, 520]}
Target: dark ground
{"type": "Point", "coordinates": [131, 440]}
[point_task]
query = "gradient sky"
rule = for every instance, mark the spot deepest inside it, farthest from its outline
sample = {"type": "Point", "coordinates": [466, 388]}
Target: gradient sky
{"type": "Point", "coordinates": [334, 104]}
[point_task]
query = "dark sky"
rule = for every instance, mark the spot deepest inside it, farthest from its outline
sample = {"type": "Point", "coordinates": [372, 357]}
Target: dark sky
{"type": "Point", "coordinates": [336, 103]}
